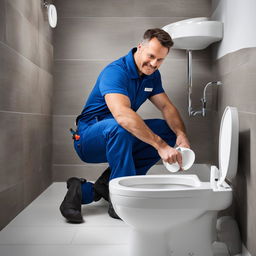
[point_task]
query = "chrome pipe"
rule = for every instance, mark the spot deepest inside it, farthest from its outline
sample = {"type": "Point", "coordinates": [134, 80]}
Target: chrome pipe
{"type": "Point", "coordinates": [189, 77]}
{"type": "Point", "coordinates": [192, 112]}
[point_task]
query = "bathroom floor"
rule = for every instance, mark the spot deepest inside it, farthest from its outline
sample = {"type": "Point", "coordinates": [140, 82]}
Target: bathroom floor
{"type": "Point", "coordinates": [41, 230]}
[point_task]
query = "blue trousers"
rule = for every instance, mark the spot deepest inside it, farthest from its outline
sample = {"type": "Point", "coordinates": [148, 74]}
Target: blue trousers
{"type": "Point", "coordinates": [107, 141]}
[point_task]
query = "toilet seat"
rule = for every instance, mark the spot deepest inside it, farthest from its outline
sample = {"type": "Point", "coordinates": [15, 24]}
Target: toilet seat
{"type": "Point", "coordinates": [158, 186]}
{"type": "Point", "coordinates": [228, 145]}
{"type": "Point", "coordinates": [155, 186]}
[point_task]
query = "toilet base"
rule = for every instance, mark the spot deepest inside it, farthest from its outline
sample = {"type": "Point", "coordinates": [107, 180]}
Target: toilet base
{"type": "Point", "coordinates": [192, 238]}
{"type": "Point", "coordinates": [148, 243]}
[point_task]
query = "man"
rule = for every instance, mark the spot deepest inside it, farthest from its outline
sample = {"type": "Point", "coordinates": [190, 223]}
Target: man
{"type": "Point", "coordinates": [110, 130]}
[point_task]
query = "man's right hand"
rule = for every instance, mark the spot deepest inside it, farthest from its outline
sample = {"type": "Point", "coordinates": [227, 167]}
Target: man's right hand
{"type": "Point", "coordinates": [169, 154]}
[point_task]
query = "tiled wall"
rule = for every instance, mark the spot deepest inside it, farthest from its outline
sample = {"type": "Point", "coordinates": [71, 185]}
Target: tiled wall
{"type": "Point", "coordinates": [26, 80]}
{"type": "Point", "coordinates": [237, 72]}
{"type": "Point", "coordinates": [91, 34]}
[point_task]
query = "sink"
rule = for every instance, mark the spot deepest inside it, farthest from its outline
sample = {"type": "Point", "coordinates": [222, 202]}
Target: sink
{"type": "Point", "coordinates": [195, 33]}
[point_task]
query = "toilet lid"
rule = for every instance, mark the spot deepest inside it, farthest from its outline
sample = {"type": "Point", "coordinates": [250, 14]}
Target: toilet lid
{"type": "Point", "coordinates": [228, 144]}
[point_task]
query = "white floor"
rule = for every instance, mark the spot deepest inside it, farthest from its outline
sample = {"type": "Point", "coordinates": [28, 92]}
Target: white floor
{"type": "Point", "coordinates": [40, 230]}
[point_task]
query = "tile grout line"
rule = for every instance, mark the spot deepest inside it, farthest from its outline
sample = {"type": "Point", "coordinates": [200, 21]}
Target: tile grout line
{"type": "Point", "coordinates": [79, 164]}
{"type": "Point", "coordinates": [124, 17]}
{"type": "Point", "coordinates": [246, 112]}
{"type": "Point", "coordinates": [24, 113]}
{"type": "Point", "coordinates": [24, 57]}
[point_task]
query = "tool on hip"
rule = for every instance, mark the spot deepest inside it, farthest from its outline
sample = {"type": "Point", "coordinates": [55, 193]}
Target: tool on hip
{"type": "Point", "coordinates": [75, 136]}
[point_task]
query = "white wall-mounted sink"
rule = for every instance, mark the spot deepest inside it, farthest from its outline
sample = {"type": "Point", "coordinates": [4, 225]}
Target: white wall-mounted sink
{"type": "Point", "coordinates": [195, 33]}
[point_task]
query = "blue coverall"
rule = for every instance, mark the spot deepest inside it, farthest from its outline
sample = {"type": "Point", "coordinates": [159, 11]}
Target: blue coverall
{"type": "Point", "coordinates": [102, 139]}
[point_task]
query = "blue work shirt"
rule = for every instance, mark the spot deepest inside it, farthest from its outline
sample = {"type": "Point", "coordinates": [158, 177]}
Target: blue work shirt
{"type": "Point", "coordinates": [120, 76]}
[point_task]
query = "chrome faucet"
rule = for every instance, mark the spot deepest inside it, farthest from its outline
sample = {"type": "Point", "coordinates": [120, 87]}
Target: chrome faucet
{"type": "Point", "coordinates": [192, 112]}
{"type": "Point", "coordinates": [204, 99]}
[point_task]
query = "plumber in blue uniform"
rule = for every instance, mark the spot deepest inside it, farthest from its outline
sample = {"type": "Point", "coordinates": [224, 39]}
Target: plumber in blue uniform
{"type": "Point", "coordinates": [109, 129]}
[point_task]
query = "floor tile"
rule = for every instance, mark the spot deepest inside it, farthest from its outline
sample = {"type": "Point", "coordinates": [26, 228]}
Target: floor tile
{"type": "Point", "coordinates": [37, 235]}
{"type": "Point", "coordinates": [41, 230]}
{"type": "Point", "coordinates": [102, 235]}
{"type": "Point", "coordinates": [64, 250]}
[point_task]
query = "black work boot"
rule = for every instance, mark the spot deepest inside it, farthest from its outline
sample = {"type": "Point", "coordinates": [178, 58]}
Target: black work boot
{"type": "Point", "coordinates": [101, 186]}
{"type": "Point", "coordinates": [101, 189]}
{"type": "Point", "coordinates": [70, 208]}
{"type": "Point", "coordinates": [111, 211]}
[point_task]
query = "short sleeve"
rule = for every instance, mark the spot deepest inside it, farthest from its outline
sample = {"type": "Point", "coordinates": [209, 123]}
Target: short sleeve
{"type": "Point", "coordinates": [113, 80]}
{"type": "Point", "coordinates": [157, 82]}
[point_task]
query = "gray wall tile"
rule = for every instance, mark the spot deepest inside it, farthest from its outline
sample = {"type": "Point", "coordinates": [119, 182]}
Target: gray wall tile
{"type": "Point", "coordinates": [11, 203]}
{"type": "Point", "coordinates": [237, 71]}
{"type": "Point", "coordinates": [45, 83]}
{"type": "Point", "coordinates": [27, 8]}
{"type": "Point", "coordinates": [239, 88]}
{"type": "Point", "coordinates": [45, 54]}
{"type": "Point", "coordinates": [45, 99]}
{"type": "Point", "coordinates": [11, 148]}
{"type": "Point", "coordinates": [90, 172]}
{"type": "Point", "coordinates": [24, 86]}
{"type": "Point", "coordinates": [97, 8]}
{"type": "Point", "coordinates": [34, 186]}
{"type": "Point", "coordinates": [244, 184]}
{"type": "Point", "coordinates": [233, 61]}
{"type": "Point", "coordinates": [18, 80]}
{"type": "Point", "coordinates": [26, 82]}
{"type": "Point", "coordinates": [31, 154]}
{"type": "Point", "coordinates": [63, 150]}
{"type": "Point", "coordinates": [73, 82]}
{"type": "Point", "coordinates": [2, 20]}
{"type": "Point", "coordinates": [175, 8]}
{"type": "Point", "coordinates": [133, 8]}
{"type": "Point", "coordinates": [21, 35]}
{"type": "Point", "coordinates": [93, 38]}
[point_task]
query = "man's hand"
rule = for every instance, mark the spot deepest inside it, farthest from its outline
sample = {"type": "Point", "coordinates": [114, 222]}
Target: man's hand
{"type": "Point", "coordinates": [169, 154]}
{"type": "Point", "coordinates": [182, 141]}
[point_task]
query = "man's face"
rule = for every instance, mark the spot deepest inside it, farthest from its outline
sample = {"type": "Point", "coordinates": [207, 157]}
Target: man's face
{"type": "Point", "coordinates": [150, 56]}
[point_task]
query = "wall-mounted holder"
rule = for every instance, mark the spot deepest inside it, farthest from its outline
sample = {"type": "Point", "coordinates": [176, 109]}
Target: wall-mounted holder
{"type": "Point", "coordinates": [51, 13]}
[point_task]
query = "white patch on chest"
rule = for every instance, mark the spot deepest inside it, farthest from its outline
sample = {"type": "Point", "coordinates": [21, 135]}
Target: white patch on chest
{"type": "Point", "coordinates": [148, 89]}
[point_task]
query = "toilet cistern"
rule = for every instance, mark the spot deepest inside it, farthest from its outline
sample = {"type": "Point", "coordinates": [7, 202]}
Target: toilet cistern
{"type": "Point", "coordinates": [194, 34]}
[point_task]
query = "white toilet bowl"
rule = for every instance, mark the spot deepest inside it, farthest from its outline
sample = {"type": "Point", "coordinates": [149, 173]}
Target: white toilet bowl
{"type": "Point", "coordinates": [175, 215]}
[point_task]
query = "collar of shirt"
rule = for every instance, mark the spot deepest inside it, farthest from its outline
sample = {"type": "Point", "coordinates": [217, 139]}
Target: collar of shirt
{"type": "Point", "coordinates": [131, 66]}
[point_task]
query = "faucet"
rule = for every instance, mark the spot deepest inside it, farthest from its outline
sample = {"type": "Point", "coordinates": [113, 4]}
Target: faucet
{"type": "Point", "coordinates": [204, 100]}
{"type": "Point", "coordinates": [192, 112]}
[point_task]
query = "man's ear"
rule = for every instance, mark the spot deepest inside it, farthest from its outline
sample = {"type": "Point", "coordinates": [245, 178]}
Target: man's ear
{"type": "Point", "coordinates": [139, 47]}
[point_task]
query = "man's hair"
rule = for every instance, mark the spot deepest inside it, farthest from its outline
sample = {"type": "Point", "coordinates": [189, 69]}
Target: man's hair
{"type": "Point", "coordinates": [163, 37]}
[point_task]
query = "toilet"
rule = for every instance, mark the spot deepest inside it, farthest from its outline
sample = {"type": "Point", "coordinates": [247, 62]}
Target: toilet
{"type": "Point", "coordinates": [176, 214]}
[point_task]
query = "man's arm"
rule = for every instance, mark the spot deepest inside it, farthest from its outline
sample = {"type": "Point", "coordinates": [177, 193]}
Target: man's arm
{"type": "Point", "coordinates": [120, 107]}
{"type": "Point", "coordinates": [172, 117]}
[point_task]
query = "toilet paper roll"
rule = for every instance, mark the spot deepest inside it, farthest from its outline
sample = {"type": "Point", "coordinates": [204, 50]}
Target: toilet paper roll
{"type": "Point", "coordinates": [188, 158]}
